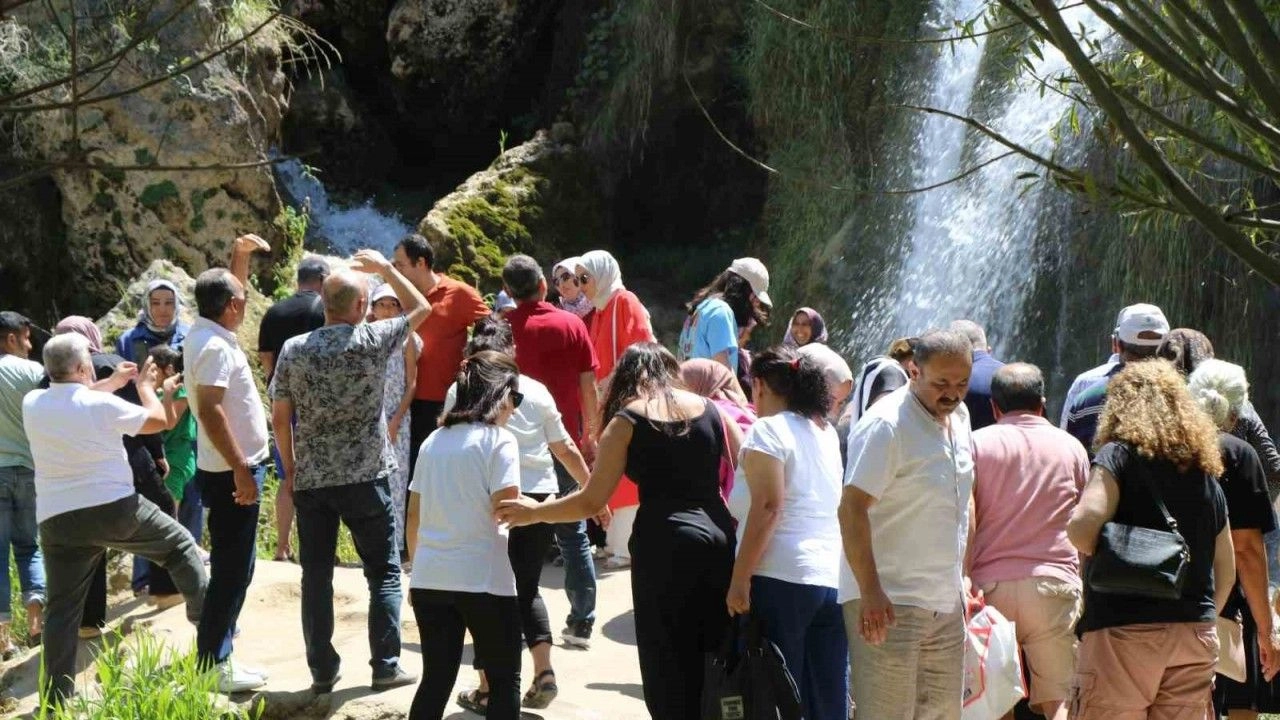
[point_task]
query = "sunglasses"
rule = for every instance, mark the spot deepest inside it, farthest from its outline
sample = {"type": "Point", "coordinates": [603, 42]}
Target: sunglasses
{"type": "Point", "coordinates": [583, 279]}
{"type": "Point", "coordinates": [516, 399]}
{"type": "Point", "coordinates": [566, 277]}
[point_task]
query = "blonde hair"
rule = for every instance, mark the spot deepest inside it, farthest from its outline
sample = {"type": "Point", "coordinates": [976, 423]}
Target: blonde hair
{"type": "Point", "coordinates": [1221, 388]}
{"type": "Point", "coordinates": [1149, 407]}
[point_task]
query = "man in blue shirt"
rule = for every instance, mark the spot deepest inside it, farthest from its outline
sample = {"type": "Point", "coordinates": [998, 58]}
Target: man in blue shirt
{"type": "Point", "coordinates": [1139, 331]}
{"type": "Point", "coordinates": [978, 399]}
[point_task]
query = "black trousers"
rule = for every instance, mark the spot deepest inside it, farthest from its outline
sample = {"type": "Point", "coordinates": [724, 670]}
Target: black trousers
{"type": "Point", "coordinates": [444, 617]}
{"type": "Point", "coordinates": [527, 549]}
{"type": "Point", "coordinates": [681, 565]}
{"type": "Point", "coordinates": [424, 418]}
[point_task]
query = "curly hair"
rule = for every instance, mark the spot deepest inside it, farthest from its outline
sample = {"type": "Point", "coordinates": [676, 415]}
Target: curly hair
{"type": "Point", "coordinates": [1149, 407]}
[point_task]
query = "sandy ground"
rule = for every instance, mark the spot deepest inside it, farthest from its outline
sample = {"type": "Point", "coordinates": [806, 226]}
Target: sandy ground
{"type": "Point", "coordinates": [603, 682]}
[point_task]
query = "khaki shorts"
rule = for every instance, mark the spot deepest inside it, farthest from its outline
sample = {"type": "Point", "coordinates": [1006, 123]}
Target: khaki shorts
{"type": "Point", "coordinates": [1154, 671]}
{"type": "Point", "coordinates": [1045, 611]}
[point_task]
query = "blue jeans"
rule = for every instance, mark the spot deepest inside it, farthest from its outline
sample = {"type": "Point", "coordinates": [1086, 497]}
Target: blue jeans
{"type": "Point", "coordinates": [191, 511]}
{"type": "Point", "coordinates": [233, 535]}
{"type": "Point", "coordinates": [366, 509]}
{"type": "Point", "coordinates": [18, 529]}
{"type": "Point", "coordinates": [575, 548]}
{"type": "Point", "coordinates": [807, 625]}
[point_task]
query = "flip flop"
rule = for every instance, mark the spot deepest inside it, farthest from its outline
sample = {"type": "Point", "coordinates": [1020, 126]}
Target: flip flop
{"type": "Point", "coordinates": [542, 693]}
{"type": "Point", "coordinates": [472, 699]}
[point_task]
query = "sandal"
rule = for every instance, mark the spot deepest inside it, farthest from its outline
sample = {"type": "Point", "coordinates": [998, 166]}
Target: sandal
{"type": "Point", "coordinates": [475, 701]}
{"type": "Point", "coordinates": [542, 692]}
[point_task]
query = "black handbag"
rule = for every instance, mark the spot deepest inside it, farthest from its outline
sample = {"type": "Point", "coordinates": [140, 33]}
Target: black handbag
{"type": "Point", "coordinates": [747, 679]}
{"type": "Point", "coordinates": [1132, 560]}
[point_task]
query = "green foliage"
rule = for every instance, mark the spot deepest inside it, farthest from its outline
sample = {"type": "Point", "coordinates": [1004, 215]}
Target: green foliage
{"type": "Point", "coordinates": [142, 677]}
{"type": "Point", "coordinates": [155, 194]}
{"type": "Point", "coordinates": [267, 535]}
{"type": "Point", "coordinates": [293, 227]}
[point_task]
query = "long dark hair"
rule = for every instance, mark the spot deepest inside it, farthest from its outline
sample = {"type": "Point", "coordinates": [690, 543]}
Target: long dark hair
{"type": "Point", "coordinates": [484, 381]}
{"type": "Point", "coordinates": [645, 370]}
{"type": "Point", "coordinates": [736, 291]}
{"type": "Point", "coordinates": [796, 378]}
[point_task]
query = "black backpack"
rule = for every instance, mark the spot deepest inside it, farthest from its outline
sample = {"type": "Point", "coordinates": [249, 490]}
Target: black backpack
{"type": "Point", "coordinates": [747, 679]}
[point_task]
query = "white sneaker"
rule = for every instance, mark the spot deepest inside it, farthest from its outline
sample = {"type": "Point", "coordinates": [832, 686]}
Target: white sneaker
{"type": "Point", "coordinates": [617, 562]}
{"type": "Point", "coordinates": [255, 671]}
{"type": "Point", "coordinates": [236, 680]}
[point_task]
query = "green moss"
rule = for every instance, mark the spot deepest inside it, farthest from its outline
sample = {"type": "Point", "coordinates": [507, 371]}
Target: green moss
{"type": "Point", "coordinates": [104, 201]}
{"type": "Point", "coordinates": [143, 156]}
{"type": "Point", "coordinates": [117, 219]}
{"type": "Point", "coordinates": [197, 207]}
{"type": "Point", "coordinates": [156, 193]}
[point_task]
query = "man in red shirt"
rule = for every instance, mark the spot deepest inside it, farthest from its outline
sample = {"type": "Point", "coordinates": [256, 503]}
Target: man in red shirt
{"type": "Point", "coordinates": [455, 306]}
{"type": "Point", "coordinates": [554, 348]}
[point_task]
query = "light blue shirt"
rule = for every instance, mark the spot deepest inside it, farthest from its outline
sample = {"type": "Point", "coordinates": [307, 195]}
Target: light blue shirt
{"type": "Point", "coordinates": [709, 331]}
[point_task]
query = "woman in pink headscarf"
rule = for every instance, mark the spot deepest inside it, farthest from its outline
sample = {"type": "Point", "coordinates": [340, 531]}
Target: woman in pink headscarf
{"type": "Point", "coordinates": [712, 380]}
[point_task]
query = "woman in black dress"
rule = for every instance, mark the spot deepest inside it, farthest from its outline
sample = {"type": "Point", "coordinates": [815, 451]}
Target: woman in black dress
{"type": "Point", "coordinates": [669, 441]}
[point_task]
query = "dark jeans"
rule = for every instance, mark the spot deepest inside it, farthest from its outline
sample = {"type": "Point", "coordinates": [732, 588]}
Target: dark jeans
{"type": "Point", "coordinates": [575, 548]}
{"type": "Point", "coordinates": [807, 625]}
{"type": "Point", "coordinates": [18, 529]}
{"type": "Point", "coordinates": [233, 534]}
{"type": "Point", "coordinates": [94, 614]}
{"type": "Point", "coordinates": [153, 576]}
{"type": "Point", "coordinates": [191, 511]}
{"type": "Point", "coordinates": [366, 509]}
{"type": "Point", "coordinates": [74, 543]}
{"type": "Point", "coordinates": [443, 619]}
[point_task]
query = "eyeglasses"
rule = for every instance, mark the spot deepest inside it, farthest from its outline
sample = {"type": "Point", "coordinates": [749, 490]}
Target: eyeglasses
{"type": "Point", "coordinates": [566, 277]}
{"type": "Point", "coordinates": [583, 279]}
{"type": "Point", "coordinates": [516, 399]}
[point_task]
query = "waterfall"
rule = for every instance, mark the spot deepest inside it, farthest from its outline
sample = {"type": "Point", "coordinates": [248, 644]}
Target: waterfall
{"type": "Point", "coordinates": [970, 243]}
{"type": "Point", "coordinates": [343, 230]}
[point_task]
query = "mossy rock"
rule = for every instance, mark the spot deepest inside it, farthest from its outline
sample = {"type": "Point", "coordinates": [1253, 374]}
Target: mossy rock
{"type": "Point", "coordinates": [538, 198]}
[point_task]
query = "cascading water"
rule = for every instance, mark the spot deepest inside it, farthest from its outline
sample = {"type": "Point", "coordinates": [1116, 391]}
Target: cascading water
{"type": "Point", "coordinates": [970, 242]}
{"type": "Point", "coordinates": [340, 229]}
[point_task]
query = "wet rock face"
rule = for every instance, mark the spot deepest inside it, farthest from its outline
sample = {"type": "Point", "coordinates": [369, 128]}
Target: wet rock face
{"type": "Point", "coordinates": [226, 112]}
{"type": "Point", "coordinates": [537, 198]}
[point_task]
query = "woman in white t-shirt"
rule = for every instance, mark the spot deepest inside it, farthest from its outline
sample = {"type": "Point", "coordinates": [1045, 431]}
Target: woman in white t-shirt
{"type": "Point", "coordinates": [785, 499]}
{"type": "Point", "coordinates": [461, 580]}
{"type": "Point", "coordinates": [540, 435]}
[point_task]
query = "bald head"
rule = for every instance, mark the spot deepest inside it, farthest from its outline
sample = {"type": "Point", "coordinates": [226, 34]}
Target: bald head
{"type": "Point", "coordinates": [972, 330]}
{"type": "Point", "coordinates": [1018, 387]}
{"type": "Point", "coordinates": [345, 294]}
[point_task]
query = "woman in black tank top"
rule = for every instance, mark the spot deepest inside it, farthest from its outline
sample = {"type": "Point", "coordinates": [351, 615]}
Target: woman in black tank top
{"type": "Point", "coordinates": [682, 546]}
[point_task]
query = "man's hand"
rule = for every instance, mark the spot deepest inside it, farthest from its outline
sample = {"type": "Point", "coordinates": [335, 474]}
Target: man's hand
{"type": "Point", "coordinates": [162, 465]}
{"type": "Point", "coordinates": [246, 492]}
{"type": "Point", "coordinates": [124, 372]}
{"type": "Point", "coordinates": [249, 244]}
{"type": "Point", "coordinates": [587, 445]}
{"type": "Point", "coordinates": [877, 617]}
{"type": "Point", "coordinates": [370, 261]}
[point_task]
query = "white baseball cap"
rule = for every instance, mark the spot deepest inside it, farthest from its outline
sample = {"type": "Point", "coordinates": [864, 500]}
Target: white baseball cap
{"type": "Point", "coordinates": [1138, 319]}
{"type": "Point", "coordinates": [756, 275]}
{"type": "Point", "coordinates": [383, 291]}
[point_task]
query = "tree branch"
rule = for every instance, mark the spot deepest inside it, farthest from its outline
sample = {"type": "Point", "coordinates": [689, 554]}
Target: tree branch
{"type": "Point", "coordinates": [1237, 48]}
{"type": "Point", "coordinates": [1259, 28]}
{"type": "Point", "coordinates": [1184, 196]}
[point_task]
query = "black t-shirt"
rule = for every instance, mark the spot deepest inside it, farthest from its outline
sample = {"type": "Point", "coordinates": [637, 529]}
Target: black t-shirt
{"type": "Point", "coordinates": [300, 313]}
{"type": "Point", "coordinates": [1244, 483]}
{"type": "Point", "coordinates": [1196, 501]}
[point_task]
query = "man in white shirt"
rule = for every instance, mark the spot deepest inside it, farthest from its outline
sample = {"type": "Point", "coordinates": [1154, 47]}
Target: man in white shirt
{"type": "Point", "coordinates": [904, 519]}
{"type": "Point", "coordinates": [231, 452]}
{"type": "Point", "coordinates": [85, 501]}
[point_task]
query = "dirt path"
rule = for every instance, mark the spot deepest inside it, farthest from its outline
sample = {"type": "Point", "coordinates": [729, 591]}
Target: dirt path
{"type": "Point", "coordinates": [603, 682]}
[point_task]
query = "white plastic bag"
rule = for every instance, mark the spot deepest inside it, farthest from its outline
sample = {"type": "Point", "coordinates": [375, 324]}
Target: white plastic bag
{"type": "Point", "coordinates": [993, 681]}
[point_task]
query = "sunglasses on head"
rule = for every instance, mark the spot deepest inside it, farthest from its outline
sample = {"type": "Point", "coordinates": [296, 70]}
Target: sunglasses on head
{"type": "Point", "coordinates": [566, 277]}
{"type": "Point", "coordinates": [516, 399]}
{"type": "Point", "coordinates": [583, 278]}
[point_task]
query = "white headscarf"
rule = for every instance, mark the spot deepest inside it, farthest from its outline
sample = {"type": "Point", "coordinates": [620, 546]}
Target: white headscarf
{"type": "Point", "coordinates": [144, 315]}
{"type": "Point", "coordinates": [602, 266]}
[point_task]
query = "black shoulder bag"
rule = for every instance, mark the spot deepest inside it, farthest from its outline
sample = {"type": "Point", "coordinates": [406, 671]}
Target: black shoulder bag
{"type": "Point", "coordinates": [748, 680]}
{"type": "Point", "coordinates": [1139, 561]}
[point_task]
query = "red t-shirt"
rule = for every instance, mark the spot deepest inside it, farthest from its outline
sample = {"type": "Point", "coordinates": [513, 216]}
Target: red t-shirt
{"type": "Point", "coordinates": [552, 347]}
{"type": "Point", "coordinates": [455, 306]}
{"type": "Point", "coordinates": [622, 323]}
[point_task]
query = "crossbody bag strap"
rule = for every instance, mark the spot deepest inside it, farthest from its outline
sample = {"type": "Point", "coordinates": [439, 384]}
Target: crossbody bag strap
{"type": "Point", "coordinates": [1159, 498]}
{"type": "Point", "coordinates": [615, 332]}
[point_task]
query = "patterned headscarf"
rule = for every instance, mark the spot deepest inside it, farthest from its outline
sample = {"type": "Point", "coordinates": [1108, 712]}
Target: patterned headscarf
{"type": "Point", "coordinates": [817, 328]}
{"type": "Point", "coordinates": [608, 275]}
{"type": "Point", "coordinates": [581, 305]}
{"type": "Point", "coordinates": [81, 325]}
{"type": "Point", "coordinates": [711, 379]}
{"type": "Point", "coordinates": [144, 315]}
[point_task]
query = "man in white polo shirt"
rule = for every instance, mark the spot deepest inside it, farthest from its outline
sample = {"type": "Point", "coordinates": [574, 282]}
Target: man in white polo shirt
{"type": "Point", "coordinates": [904, 519]}
{"type": "Point", "coordinates": [231, 451]}
{"type": "Point", "coordinates": [85, 501]}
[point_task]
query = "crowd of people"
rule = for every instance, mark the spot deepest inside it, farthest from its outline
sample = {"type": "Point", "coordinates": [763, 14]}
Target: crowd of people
{"type": "Point", "coordinates": [857, 517]}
